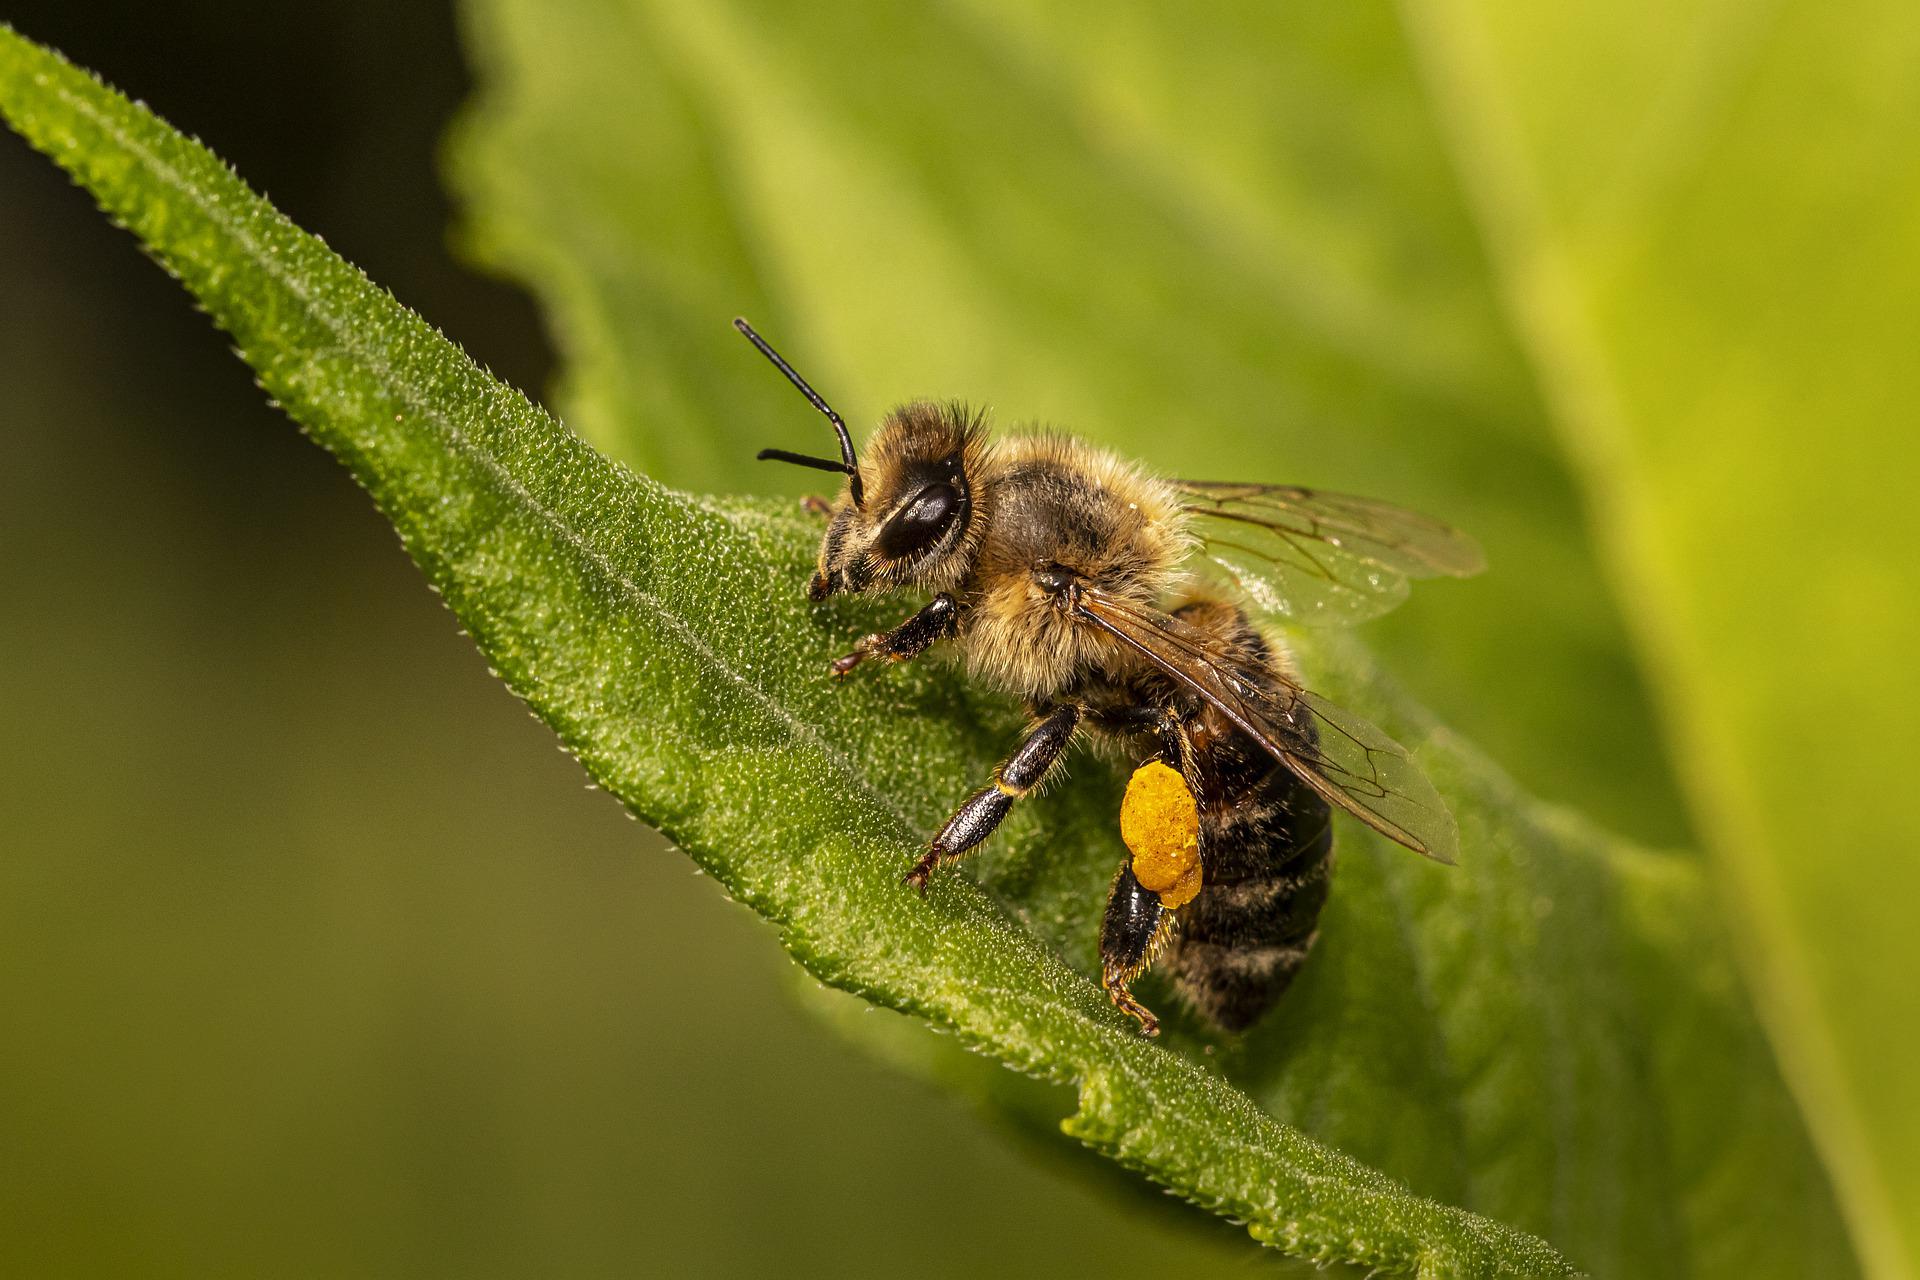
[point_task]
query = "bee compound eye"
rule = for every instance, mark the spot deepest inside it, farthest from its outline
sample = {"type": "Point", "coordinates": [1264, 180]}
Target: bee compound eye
{"type": "Point", "coordinates": [922, 522]}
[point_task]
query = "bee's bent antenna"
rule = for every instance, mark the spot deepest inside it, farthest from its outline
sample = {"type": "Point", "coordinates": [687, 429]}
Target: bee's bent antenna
{"type": "Point", "coordinates": [848, 463]}
{"type": "Point", "coordinates": [801, 460]}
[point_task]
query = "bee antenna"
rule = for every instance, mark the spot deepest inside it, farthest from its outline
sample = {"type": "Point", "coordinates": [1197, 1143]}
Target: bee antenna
{"type": "Point", "coordinates": [801, 460]}
{"type": "Point", "coordinates": [848, 463]}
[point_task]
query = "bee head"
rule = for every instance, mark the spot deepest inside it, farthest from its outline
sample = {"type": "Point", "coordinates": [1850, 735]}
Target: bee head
{"type": "Point", "coordinates": [906, 518]}
{"type": "Point", "coordinates": [902, 519]}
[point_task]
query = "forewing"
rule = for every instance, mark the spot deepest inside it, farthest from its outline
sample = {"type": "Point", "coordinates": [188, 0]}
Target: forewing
{"type": "Point", "coordinates": [1309, 556]}
{"type": "Point", "coordinates": [1345, 759]}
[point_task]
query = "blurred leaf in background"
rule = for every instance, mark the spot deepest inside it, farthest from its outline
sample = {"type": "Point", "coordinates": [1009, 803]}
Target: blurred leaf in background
{"type": "Point", "coordinates": [1707, 231]}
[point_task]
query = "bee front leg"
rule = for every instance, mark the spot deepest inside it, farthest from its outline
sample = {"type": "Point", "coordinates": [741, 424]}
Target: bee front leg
{"type": "Point", "coordinates": [1020, 773]}
{"type": "Point", "coordinates": [936, 621]}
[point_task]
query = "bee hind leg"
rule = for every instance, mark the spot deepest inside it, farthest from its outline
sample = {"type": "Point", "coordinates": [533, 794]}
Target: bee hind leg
{"type": "Point", "coordinates": [1136, 927]}
{"type": "Point", "coordinates": [986, 808]}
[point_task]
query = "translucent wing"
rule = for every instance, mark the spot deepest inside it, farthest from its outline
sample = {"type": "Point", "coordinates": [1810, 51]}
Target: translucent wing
{"type": "Point", "coordinates": [1304, 555]}
{"type": "Point", "coordinates": [1345, 759]}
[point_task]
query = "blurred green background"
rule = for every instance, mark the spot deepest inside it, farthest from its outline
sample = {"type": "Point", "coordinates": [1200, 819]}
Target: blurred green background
{"type": "Point", "coordinates": [317, 958]}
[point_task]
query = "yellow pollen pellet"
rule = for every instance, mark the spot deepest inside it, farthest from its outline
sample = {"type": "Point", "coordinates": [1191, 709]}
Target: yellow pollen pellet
{"type": "Point", "coordinates": [1161, 826]}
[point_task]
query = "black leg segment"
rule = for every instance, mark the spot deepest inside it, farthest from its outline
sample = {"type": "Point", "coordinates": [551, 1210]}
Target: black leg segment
{"type": "Point", "coordinates": [972, 822]}
{"type": "Point", "coordinates": [1046, 741]}
{"type": "Point", "coordinates": [935, 621]}
{"type": "Point", "coordinates": [1135, 928]}
{"type": "Point", "coordinates": [984, 810]}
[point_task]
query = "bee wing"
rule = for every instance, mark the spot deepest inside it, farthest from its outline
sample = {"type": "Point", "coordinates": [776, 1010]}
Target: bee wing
{"type": "Point", "coordinates": [1304, 555]}
{"type": "Point", "coordinates": [1345, 759]}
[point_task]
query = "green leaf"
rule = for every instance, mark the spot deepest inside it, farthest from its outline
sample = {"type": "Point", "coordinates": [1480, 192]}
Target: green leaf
{"type": "Point", "coordinates": [1550, 1030]}
{"type": "Point", "coordinates": [1717, 274]}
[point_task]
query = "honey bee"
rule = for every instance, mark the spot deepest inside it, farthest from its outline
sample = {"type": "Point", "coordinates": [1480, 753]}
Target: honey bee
{"type": "Point", "coordinates": [1121, 605]}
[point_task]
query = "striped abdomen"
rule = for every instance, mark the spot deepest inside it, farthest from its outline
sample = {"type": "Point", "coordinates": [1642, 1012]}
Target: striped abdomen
{"type": "Point", "coordinates": [1266, 846]}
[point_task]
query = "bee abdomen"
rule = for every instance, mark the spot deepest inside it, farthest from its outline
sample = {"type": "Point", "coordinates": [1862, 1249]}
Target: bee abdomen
{"type": "Point", "coordinates": [1269, 862]}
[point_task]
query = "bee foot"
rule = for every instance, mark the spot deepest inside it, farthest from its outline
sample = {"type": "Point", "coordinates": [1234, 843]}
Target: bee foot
{"type": "Point", "coordinates": [1121, 997]}
{"type": "Point", "coordinates": [815, 505]}
{"type": "Point", "coordinates": [861, 652]}
{"type": "Point", "coordinates": [922, 872]}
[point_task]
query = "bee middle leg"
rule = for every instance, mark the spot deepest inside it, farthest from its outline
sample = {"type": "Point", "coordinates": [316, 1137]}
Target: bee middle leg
{"type": "Point", "coordinates": [984, 810]}
{"type": "Point", "coordinates": [936, 620]}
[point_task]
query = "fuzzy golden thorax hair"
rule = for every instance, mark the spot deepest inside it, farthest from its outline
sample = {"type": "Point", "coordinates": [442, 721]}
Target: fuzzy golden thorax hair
{"type": "Point", "coordinates": [1060, 504]}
